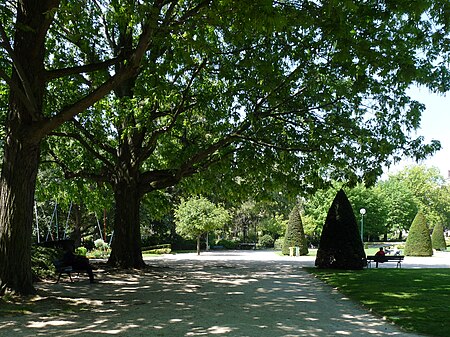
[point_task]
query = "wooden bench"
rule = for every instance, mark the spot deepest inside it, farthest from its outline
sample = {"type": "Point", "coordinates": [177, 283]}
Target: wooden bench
{"type": "Point", "coordinates": [386, 258]}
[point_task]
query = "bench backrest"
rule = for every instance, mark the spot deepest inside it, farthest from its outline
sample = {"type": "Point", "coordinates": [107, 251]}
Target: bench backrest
{"type": "Point", "coordinates": [387, 257]}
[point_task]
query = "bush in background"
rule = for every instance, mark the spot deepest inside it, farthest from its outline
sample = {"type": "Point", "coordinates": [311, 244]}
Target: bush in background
{"type": "Point", "coordinates": [418, 242]}
{"type": "Point", "coordinates": [158, 249]}
{"type": "Point", "coordinates": [266, 241]}
{"type": "Point", "coordinates": [295, 235]}
{"type": "Point", "coordinates": [227, 244]}
{"type": "Point", "coordinates": [42, 262]}
{"type": "Point", "coordinates": [438, 239]}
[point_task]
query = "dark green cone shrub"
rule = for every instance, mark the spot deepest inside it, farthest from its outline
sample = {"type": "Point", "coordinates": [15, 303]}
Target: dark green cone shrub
{"type": "Point", "coordinates": [340, 244]}
{"type": "Point", "coordinates": [438, 239]}
{"type": "Point", "coordinates": [418, 242]}
{"type": "Point", "coordinates": [295, 234]}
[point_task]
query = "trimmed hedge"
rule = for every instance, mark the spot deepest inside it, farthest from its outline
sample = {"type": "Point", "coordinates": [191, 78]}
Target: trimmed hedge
{"type": "Point", "coordinates": [438, 238]}
{"type": "Point", "coordinates": [295, 235]}
{"type": "Point", "coordinates": [158, 249]}
{"type": "Point", "coordinates": [418, 242]}
{"type": "Point", "coordinates": [340, 244]}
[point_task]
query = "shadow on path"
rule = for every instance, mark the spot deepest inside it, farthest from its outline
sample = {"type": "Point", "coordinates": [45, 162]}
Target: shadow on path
{"type": "Point", "coordinates": [195, 297]}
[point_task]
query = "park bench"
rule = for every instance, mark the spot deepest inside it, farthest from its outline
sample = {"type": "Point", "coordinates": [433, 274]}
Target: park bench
{"type": "Point", "coordinates": [386, 258]}
{"type": "Point", "coordinates": [62, 268]}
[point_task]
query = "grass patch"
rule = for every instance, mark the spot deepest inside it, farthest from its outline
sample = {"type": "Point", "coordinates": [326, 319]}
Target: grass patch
{"type": "Point", "coordinates": [415, 299]}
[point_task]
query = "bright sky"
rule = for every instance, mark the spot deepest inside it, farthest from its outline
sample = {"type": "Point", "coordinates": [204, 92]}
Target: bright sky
{"type": "Point", "coordinates": [435, 124]}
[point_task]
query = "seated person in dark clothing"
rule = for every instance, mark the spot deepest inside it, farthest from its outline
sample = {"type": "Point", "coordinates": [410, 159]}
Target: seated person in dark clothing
{"type": "Point", "coordinates": [380, 256]}
{"type": "Point", "coordinates": [78, 263]}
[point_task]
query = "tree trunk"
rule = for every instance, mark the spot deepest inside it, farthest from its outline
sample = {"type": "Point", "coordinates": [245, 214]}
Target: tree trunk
{"type": "Point", "coordinates": [126, 245]}
{"type": "Point", "coordinates": [198, 244]}
{"type": "Point", "coordinates": [17, 185]}
{"type": "Point", "coordinates": [21, 152]}
{"type": "Point", "coordinates": [76, 234]}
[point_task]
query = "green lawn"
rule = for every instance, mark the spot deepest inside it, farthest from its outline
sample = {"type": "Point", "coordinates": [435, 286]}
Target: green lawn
{"type": "Point", "coordinates": [417, 300]}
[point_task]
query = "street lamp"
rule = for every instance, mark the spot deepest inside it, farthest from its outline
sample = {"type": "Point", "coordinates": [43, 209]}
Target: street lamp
{"type": "Point", "coordinates": [362, 211]}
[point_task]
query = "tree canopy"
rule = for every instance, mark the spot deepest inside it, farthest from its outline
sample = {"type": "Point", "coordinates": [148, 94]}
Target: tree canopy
{"type": "Point", "coordinates": [197, 216]}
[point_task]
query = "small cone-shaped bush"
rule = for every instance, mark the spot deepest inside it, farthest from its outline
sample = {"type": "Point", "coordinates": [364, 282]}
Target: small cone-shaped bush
{"type": "Point", "coordinates": [295, 234]}
{"type": "Point", "coordinates": [418, 242]}
{"type": "Point", "coordinates": [340, 244]}
{"type": "Point", "coordinates": [438, 239]}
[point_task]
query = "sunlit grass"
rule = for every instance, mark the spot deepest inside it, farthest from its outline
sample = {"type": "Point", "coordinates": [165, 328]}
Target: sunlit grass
{"type": "Point", "coordinates": [415, 299]}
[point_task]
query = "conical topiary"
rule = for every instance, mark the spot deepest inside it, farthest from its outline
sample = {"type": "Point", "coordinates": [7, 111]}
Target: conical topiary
{"type": "Point", "coordinates": [418, 242]}
{"type": "Point", "coordinates": [295, 235]}
{"type": "Point", "coordinates": [438, 239]}
{"type": "Point", "coordinates": [340, 244]}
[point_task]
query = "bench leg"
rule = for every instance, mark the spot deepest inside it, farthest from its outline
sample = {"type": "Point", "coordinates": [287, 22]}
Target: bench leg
{"type": "Point", "coordinates": [376, 264]}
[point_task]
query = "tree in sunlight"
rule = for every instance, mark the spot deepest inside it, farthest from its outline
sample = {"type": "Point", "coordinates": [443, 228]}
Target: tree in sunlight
{"type": "Point", "coordinates": [197, 216]}
{"type": "Point", "coordinates": [437, 238]}
{"type": "Point", "coordinates": [295, 235]}
{"type": "Point", "coordinates": [418, 242]}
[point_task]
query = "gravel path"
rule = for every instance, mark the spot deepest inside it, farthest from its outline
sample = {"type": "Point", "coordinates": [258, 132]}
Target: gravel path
{"type": "Point", "coordinates": [217, 294]}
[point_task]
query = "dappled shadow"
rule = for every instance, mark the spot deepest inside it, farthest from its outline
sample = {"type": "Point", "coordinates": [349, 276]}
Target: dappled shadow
{"type": "Point", "coordinates": [196, 298]}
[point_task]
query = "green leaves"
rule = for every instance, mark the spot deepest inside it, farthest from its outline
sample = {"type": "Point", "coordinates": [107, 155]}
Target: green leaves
{"type": "Point", "coordinates": [197, 216]}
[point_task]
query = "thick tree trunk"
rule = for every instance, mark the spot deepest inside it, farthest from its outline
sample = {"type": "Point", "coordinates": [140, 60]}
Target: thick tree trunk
{"type": "Point", "coordinates": [21, 152]}
{"type": "Point", "coordinates": [17, 185]}
{"type": "Point", "coordinates": [126, 245]}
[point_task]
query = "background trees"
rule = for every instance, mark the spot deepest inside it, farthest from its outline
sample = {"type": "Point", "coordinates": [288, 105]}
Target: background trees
{"type": "Point", "coordinates": [197, 216]}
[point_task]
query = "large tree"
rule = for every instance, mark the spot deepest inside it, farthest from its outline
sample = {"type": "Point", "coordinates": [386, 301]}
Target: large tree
{"type": "Point", "coordinates": [30, 31]}
{"type": "Point", "coordinates": [269, 92]}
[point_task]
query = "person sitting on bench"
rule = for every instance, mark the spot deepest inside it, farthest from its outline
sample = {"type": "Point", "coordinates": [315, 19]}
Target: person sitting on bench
{"type": "Point", "coordinates": [380, 256]}
{"type": "Point", "coordinates": [78, 263]}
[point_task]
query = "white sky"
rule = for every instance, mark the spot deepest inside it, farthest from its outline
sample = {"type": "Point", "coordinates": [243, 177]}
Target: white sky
{"type": "Point", "coordinates": [435, 124]}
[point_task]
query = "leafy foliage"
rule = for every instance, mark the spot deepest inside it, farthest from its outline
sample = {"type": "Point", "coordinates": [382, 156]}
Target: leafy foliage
{"type": "Point", "coordinates": [437, 238]}
{"type": "Point", "coordinates": [197, 216]}
{"type": "Point", "coordinates": [42, 262]}
{"type": "Point", "coordinates": [266, 241]}
{"type": "Point", "coordinates": [418, 242]}
{"type": "Point", "coordinates": [340, 244]}
{"type": "Point", "coordinates": [295, 235]}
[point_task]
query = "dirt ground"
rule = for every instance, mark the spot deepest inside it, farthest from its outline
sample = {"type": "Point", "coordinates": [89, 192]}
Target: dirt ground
{"type": "Point", "coordinates": [216, 294]}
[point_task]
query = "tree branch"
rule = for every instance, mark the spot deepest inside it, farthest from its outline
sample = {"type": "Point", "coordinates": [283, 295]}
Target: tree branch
{"type": "Point", "coordinates": [86, 145]}
{"type": "Point", "coordinates": [57, 73]}
{"type": "Point", "coordinates": [26, 96]}
{"type": "Point", "coordinates": [69, 174]}
{"type": "Point", "coordinates": [131, 69]}
{"type": "Point", "coordinates": [150, 146]}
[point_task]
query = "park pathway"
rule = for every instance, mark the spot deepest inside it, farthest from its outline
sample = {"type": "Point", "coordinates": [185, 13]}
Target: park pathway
{"type": "Point", "coordinates": [254, 294]}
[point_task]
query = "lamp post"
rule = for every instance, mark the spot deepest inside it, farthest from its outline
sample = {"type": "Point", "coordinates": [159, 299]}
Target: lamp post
{"type": "Point", "coordinates": [362, 211]}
